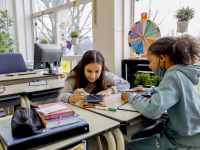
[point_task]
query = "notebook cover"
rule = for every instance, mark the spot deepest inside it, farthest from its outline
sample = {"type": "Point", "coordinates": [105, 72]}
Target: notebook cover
{"type": "Point", "coordinates": [65, 112]}
{"type": "Point", "coordinates": [52, 135]}
{"type": "Point", "coordinates": [84, 105]}
{"type": "Point", "coordinates": [64, 121]}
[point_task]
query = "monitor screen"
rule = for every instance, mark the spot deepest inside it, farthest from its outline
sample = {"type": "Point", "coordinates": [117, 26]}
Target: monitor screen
{"type": "Point", "coordinates": [46, 55]}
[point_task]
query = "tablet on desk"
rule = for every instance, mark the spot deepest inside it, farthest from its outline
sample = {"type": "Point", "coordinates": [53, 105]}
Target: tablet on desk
{"type": "Point", "coordinates": [90, 99]}
{"type": "Point", "coordinates": [142, 93]}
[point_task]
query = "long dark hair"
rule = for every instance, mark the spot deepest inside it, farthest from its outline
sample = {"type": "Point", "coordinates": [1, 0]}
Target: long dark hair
{"type": "Point", "coordinates": [182, 50]}
{"type": "Point", "coordinates": [91, 56]}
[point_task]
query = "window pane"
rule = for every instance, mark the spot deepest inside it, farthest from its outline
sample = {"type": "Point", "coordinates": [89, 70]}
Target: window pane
{"type": "Point", "coordinates": [82, 23]}
{"type": "Point", "coordinates": [162, 13]}
{"type": "Point", "coordinates": [47, 32]}
{"type": "Point", "coordinates": [41, 5]}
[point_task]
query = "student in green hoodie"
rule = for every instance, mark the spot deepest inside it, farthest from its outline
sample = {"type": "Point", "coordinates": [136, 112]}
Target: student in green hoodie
{"type": "Point", "coordinates": [172, 59]}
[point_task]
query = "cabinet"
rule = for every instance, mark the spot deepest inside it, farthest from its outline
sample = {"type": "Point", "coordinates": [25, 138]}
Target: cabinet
{"type": "Point", "coordinates": [132, 66]}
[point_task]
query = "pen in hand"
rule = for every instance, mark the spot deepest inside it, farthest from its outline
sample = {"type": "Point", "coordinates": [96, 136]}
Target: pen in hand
{"type": "Point", "coordinates": [89, 94]}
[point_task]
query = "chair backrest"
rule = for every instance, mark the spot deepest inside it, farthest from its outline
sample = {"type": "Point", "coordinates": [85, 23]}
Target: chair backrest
{"type": "Point", "coordinates": [12, 63]}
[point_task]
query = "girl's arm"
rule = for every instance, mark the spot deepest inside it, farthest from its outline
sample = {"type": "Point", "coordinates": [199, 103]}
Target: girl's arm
{"type": "Point", "coordinates": [67, 91]}
{"type": "Point", "coordinates": [118, 84]}
{"type": "Point", "coordinates": [168, 94]}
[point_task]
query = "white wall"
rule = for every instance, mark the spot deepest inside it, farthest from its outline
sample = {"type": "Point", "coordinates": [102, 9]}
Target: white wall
{"type": "Point", "coordinates": [111, 32]}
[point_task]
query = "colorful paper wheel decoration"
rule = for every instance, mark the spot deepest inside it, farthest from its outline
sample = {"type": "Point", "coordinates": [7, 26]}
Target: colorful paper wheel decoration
{"type": "Point", "coordinates": [142, 35]}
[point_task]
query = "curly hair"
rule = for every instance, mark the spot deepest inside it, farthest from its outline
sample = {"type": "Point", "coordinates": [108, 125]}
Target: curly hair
{"type": "Point", "coordinates": [183, 50]}
{"type": "Point", "coordinates": [91, 56]}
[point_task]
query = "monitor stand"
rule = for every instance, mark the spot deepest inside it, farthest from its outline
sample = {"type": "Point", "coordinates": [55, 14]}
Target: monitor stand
{"type": "Point", "coordinates": [52, 71]}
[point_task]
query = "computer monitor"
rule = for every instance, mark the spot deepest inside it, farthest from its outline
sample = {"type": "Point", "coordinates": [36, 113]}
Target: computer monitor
{"type": "Point", "coordinates": [47, 56]}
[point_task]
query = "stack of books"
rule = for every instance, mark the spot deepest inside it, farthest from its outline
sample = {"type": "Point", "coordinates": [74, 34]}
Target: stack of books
{"type": "Point", "coordinates": [61, 124]}
{"type": "Point", "coordinates": [55, 118]}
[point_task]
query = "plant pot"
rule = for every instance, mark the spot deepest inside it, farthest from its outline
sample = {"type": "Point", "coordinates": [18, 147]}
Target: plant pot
{"type": "Point", "coordinates": [182, 26]}
{"type": "Point", "coordinates": [75, 41]}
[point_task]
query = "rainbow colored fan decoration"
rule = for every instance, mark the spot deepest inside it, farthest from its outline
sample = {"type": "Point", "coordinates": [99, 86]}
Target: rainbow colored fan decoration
{"type": "Point", "coordinates": [142, 35]}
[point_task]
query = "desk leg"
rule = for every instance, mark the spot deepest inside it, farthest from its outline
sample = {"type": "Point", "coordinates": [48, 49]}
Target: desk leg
{"type": "Point", "coordinates": [6, 111]}
{"type": "Point", "coordinates": [99, 143]}
{"type": "Point", "coordinates": [111, 141]}
{"type": "Point", "coordinates": [23, 103]}
{"type": "Point", "coordinates": [119, 139]}
{"type": "Point", "coordinates": [28, 105]}
{"type": "Point", "coordinates": [11, 110]}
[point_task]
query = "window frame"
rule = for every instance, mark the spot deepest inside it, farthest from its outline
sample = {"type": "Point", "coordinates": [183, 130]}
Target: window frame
{"type": "Point", "coordinates": [55, 11]}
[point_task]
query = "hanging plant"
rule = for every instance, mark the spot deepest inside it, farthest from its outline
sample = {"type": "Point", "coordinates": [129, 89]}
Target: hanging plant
{"type": "Point", "coordinates": [184, 15]}
{"type": "Point", "coordinates": [75, 34]}
{"type": "Point", "coordinates": [44, 41]}
{"type": "Point", "coordinates": [6, 42]}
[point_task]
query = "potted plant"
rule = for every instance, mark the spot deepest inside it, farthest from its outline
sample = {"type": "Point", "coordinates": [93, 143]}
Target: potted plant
{"type": "Point", "coordinates": [6, 42]}
{"type": "Point", "coordinates": [142, 79]}
{"type": "Point", "coordinates": [44, 41]}
{"type": "Point", "coordinates": [75, 35]}
{"type": "Point", "coordinates": [184, 15]}
{"type": "Point", "coordinates": [155, 80]}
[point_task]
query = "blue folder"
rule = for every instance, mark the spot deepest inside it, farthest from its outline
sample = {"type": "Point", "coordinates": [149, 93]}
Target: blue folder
{"type": "Point", "coordinates": [55, 134]}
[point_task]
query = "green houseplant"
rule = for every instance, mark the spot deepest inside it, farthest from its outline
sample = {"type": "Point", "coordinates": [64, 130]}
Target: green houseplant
{"type": "Point", "coordinates": [6, 41]}
{"type": "Point", "coordinates": [184, 15]}
{"type": "Point", "coordinates": [44, 41]}
{"type": "Point", "coordinates": [75, 35]}
{"type": "Point", "coordinates": [142, 79]}
{"type": "Point", "coordinates": [145, 79]}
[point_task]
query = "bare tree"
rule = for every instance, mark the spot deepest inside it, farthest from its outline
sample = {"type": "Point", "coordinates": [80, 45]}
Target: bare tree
{"type": "Point", "coordinates": [154, 15]}
{"type": "Point", "coordinates": [75, 24]}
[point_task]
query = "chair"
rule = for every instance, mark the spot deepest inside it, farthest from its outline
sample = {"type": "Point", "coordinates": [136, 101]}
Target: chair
{"type": "Point", "coordinates": [12, 63]}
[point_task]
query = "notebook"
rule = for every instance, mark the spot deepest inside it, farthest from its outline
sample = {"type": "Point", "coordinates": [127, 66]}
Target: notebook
{"type": "Point", "coordinates": [65, 112]}
{"type": "Point", "coordinates": [127, 106]}
{"type": "Point", "coordinates": [52, 123]}
{"type": "Point", "coordinates": [54, 134]}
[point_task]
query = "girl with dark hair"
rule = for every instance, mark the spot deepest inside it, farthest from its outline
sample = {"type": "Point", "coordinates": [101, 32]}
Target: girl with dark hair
{"type": "Point", "coordinates": [172, 59]}
{"type": "Point", "coordinates": [91, 76]}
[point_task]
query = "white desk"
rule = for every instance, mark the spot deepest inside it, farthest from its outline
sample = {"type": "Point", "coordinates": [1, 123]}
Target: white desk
{"type": "Point", "coordinates": [40, 92]}
{"type": "Point", "coordinates": [131, 122]}
{"type": "Point", "coordinates": [22, 78]}
{"type": "Point", "coordinates": [10, 97]}
{"type": "Point", "coordinates": [98, 125]}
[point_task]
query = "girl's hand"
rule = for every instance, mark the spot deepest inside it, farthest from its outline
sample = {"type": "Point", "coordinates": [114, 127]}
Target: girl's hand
{"type": "Point", "coordinates": [139, 89]}
{"type": "Point", "coordinates": [79, 94]}
{"type": "Point", "coordinates": [124, 96]}
{"type": "Point", "coordinates": [106, 92]}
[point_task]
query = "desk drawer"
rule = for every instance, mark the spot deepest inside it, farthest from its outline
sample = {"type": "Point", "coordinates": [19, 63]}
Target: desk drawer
{"type": "Point", "coordinates": [41, 96]}
{"type": "Point", "coordinates": [9, 101]}
{"type": "Point", "coordinates": [136, 126]}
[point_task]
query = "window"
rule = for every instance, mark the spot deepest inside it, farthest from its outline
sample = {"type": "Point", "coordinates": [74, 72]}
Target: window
{"type": "Point", "coordinates": [45, 32]}
{"type": "Point", "coordinates": [162, 13]}
{"type": "Point", "coordinates": [41, 5]}
{"type": "Point", "coordinates": [58, 23]}
{"type": "Point", "coordinates": [81, 23]}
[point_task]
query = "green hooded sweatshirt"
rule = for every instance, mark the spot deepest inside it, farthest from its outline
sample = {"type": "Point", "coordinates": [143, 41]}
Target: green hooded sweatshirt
{"type": "Point", "coordinates": [177, 94]}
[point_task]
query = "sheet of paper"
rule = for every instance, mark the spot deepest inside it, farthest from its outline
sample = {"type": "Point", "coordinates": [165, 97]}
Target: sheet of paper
{"type": "Point", "coordinates": [52, 109]}
{"type": "Point", "coordinates": [127, 106]}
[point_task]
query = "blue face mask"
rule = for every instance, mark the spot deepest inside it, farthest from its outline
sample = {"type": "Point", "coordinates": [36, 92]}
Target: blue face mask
{"type": "Point", "coordinates": [160, 72]}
